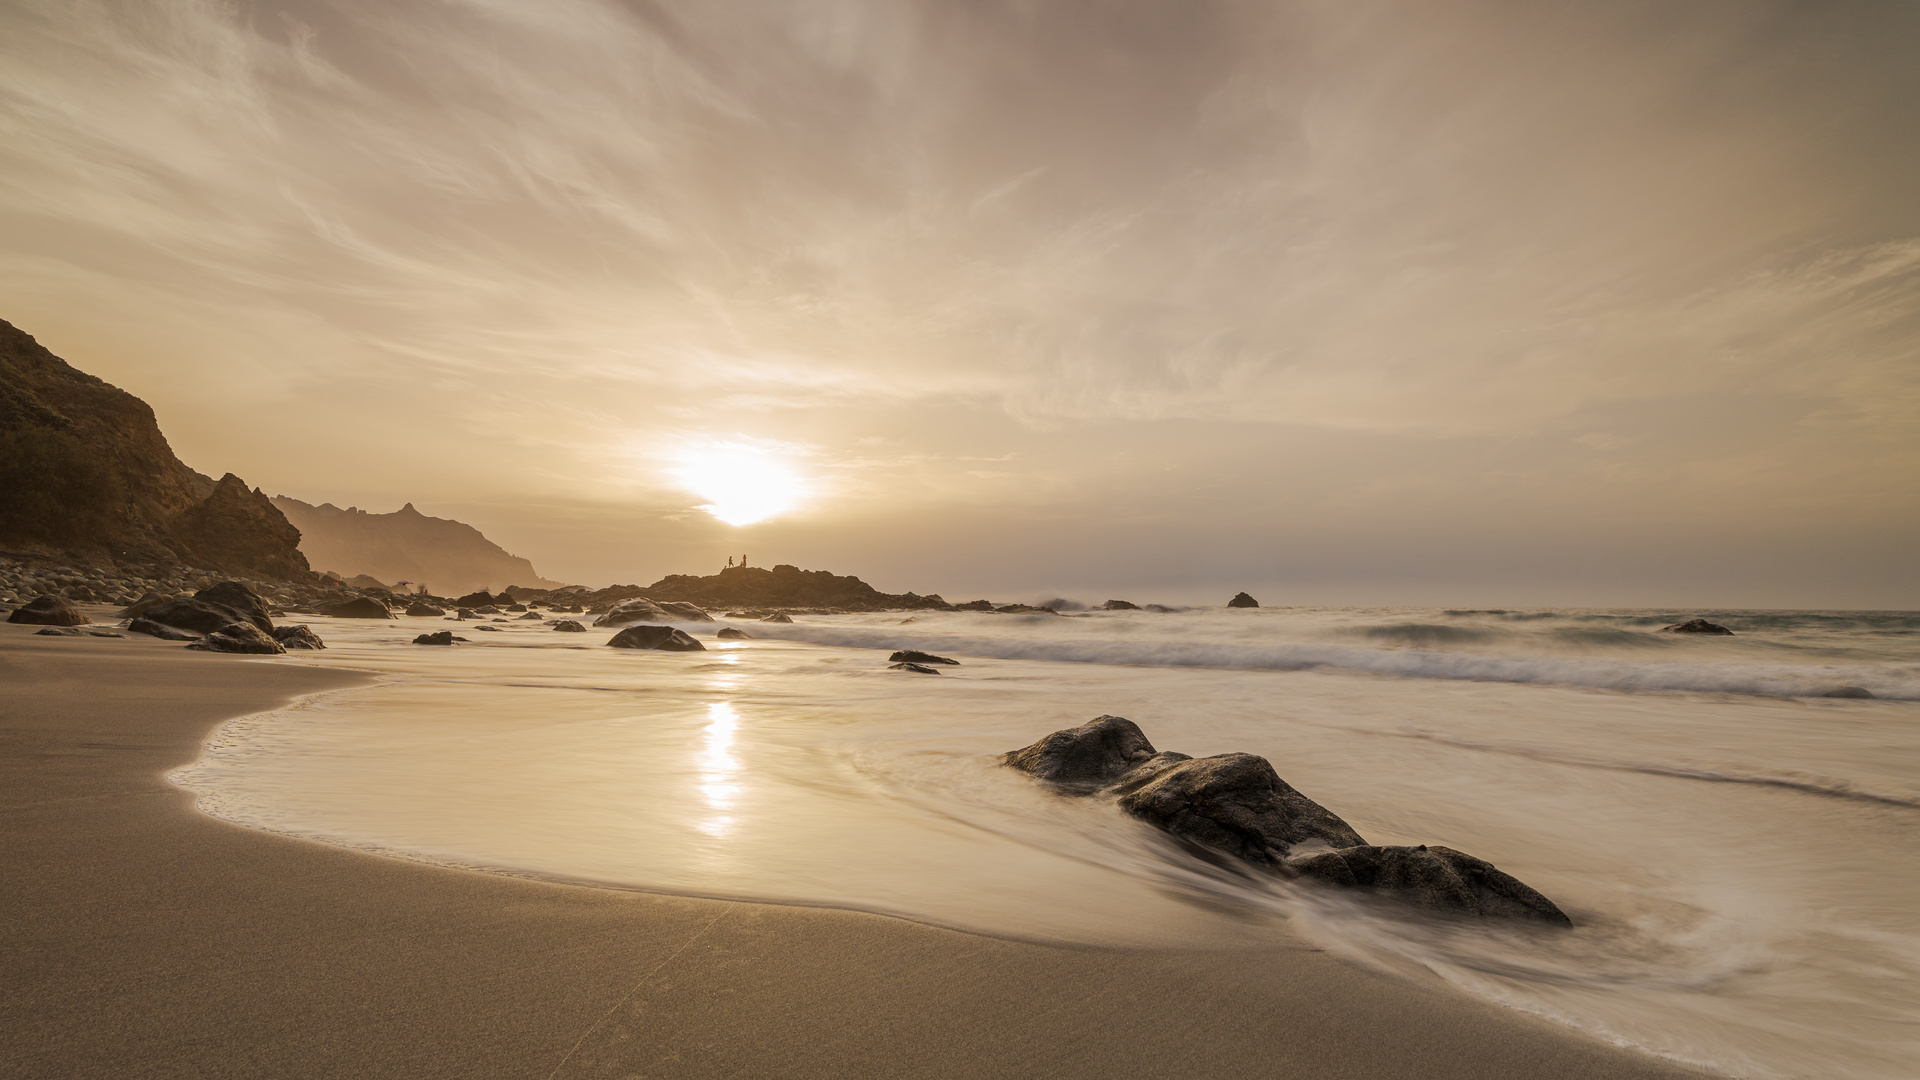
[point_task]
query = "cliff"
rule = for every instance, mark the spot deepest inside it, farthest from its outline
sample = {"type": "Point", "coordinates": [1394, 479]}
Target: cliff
{"type": "Point", "coordinates": [447, 556]}
{"type": "Point", "coordinates": [88, 477]}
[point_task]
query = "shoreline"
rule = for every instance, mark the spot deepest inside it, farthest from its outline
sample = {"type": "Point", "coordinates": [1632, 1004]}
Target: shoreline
{"type": "Point", "coordinates": [148, 938]}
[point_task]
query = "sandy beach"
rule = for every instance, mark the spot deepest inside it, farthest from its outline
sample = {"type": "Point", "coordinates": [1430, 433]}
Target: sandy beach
{"type": "Point", "coordinates": [144, 938]}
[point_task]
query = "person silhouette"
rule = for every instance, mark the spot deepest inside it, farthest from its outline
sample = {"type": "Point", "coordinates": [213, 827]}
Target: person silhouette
{"type": "Point", "coordinates": [729, 562]}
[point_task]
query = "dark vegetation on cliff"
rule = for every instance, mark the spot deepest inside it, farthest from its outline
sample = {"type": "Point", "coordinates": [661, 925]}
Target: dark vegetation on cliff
{"type": "Point", "coordinates": [90, 479]}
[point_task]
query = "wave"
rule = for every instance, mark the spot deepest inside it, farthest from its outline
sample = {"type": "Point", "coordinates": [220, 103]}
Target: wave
{"type": "Point", "coordinates": [1807, 783]}
{"type": "Point", "coordinates": [1423, 634]}
{"type": "Point", "coordinates": [1900, 682]}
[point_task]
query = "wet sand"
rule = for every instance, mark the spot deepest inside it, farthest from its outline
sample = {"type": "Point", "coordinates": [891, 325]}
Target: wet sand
{"type": "Point", "coordinates": [142, 938]}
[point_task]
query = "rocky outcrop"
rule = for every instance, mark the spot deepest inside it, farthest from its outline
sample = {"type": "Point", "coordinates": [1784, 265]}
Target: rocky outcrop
{"type": "Point", "coordinates": [975, 605]}
{"type": "Point", "coordinates": [1696, 626]}
{"type": "Point", "coordinates": [361, 607]}
{"type": "Point", "coordinates": [159, 630]}
{"type": "Point", "coordinates": [202, 616]}
{"type": "Point", "coordinates": [481, 599]}
{"type": "Point", "coordinates": [237, 530]}
{"type": "Point", "coordinates": [238, 637]}
{"type": "Point", "coordinates": [443, 637]}
{"type": "Point", "coordinates": [1241, 599]}
{"type": "Point", "coordinates": [918, 669]}
{"type": "Point", "coordinates": [655, 637]}
{"type": "Point", "coordinates": [1119, 605]}
{"type": "Point", "coordinates": [915, 656]}
{"type": "Point", "coordinates": [641, 609]}
{"type": "Point", "coordinates": [449, 556]}
{"type": "Point", "coordinates": [419, 609]}
{"type": "Point", "coordinates": [783, 586]}
{"type": "Point", "coordinates": [48, 611]}
{"type": "Point", "coordinates": [728, 633]}
{"type": "Point", "coordinates": [298, 636]}
{"type": "Point", "coordinates": [1236, 805]}
{"type": "Point", "coordinates": [568, 626]}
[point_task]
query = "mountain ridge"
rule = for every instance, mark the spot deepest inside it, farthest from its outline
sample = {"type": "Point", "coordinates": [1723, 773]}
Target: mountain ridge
{"type": "Point", "coordinates": [448, 556]}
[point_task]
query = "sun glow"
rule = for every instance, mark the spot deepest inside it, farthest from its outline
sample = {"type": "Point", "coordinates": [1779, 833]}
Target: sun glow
{"type": "Point", "coordinates": [742, 484]}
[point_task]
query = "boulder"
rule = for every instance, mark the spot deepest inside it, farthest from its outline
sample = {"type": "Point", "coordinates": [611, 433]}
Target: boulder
{"type": "Point", "coordinates": [640, 609]}
{"type": "Point", "coordinates": [516, 607]}
{"type": "Point", "coordinates": [486, 609]}
{"type": "Point", "coordinates": [59, 631]}
{"type": "Point", "coordinates": [490, 629]}
{"type": "Point", "coordinates": [915, 656]}
{"type": "Point", "coordinates": [297, 637]}
{"type": "Point", "coordinates": [477, 599]}
{"type": "Point", "coordinates": [656, 637]}
{"type": "Point", "coordinates": [48, 611]}
{"type": "Point", "coordinates": [778, 617]}
{"type": "Point", "coordinates": [238, 637]}
{"type": "Point", "coordinates": [360, 607]}
{"type": "Point", "coordinates": [1241, 599]}
{"type": "Point", "coordinates": [1849, 692]}
{"type": "Point", "coordinates": [1234, 803]}
{"type": "Point", "coordinates": [1090, 756]}
{"type": "Point", "coordinates": [975, 605]}
{"type": "Point", "coordinates": [1119, 605]}
{"type": "Point", "coordinates": [1695, 626]}
{"type": "Point", "coordinates": [444, 637]}
{"type": "Point", "coordinates": [140, 607]}
{"type": "Point", "coordinates": [568, 626]}
{"type": "Point", "coordinates": [728, 633]}
{"type": "Point", "coordinates": [159, 630]}
{"type": "Point", "coordinates": [1438, 878]}
{"type": "Point", "coordinates": [424, 610]}
{"type": "Point", "coordinates": [534, 615]}
{"type": "Point", "coordinates": [234, 596]}
{"type": "Point", "coordinates": [918, 668]}
{"type": "Point", "coordinates": [466, 614]}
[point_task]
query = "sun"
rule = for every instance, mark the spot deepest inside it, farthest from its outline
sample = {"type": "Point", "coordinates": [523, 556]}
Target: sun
{"type": "Point", "coordinates": [742, 484]}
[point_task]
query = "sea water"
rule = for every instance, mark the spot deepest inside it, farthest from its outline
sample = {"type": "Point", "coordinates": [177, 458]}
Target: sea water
{"type": "Point", "coordinates": [1739, 854]}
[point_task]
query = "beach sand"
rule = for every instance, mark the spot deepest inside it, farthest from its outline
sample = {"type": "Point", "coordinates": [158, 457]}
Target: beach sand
{"type": "Point", "coordinates": [145, 939]}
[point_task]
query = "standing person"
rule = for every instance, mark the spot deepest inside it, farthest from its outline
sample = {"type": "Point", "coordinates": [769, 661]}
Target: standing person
{"type": "Point", "coordinates": [729, 562]}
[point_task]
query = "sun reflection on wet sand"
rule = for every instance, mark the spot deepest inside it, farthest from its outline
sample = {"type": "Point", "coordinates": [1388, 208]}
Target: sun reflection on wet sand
{"type": "Point", "coordinates": [718, 768]}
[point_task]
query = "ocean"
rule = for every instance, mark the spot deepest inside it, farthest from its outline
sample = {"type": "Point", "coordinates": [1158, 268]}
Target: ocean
{"type": "Point", "coordinates": [1739, 853]}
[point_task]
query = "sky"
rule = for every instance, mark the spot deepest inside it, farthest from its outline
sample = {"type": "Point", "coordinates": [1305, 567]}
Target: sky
{"type": "Point", "coordinates": [1335, 301]}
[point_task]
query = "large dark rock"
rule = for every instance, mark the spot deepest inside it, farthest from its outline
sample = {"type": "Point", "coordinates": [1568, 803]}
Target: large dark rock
{"type": "Point", "coordinates": [975, 605]}
{"type": "Point", "coordinates": [1234, 803]}
{"type": "Point", "coordinates": [297, 637]}
{"type": "Point", "coordinates": [915, 656]}
{"type": "Point", "coordinates": [60, 631]}
{"type": "Point", "coordinates": [1119, 605]}
{"type": "Point", "coordinates": [1093, 755]}
{"type": "Point", "coordinates": [1695, 626]}
{"type": "Point", "coordinates": [1241, 599]}
{"type": "Point", "coordinates": [200, 616]}
{"type": "Point", "coordinates": [48, 611]}
{"type": "Point", "coordinates": [421, 609]}
{"type": "Point", "coordinates": [360, 607]}
{"type": "Point", "coordinates": [645, 636]}
{"type": "Point", "coordinates": [1438, 878]}
{"type": "Point", "coordinates": [640, 609]}
{"type": "Point", "coordinates": [239, 530]}
{"type": "Point", "coordinates": [159, 630]}
{"type": "Point", "coordinates": [478, 599]}
{"type": "Point", "coordinates": [728, 633]}
{"type": "Point", "coordinates": [238, 637]}
{"type": "Point", "coordinates": [235, 596]}
{"type": "Point", "coordinates": [444, 637]}
{"type": "Point", "coordinates": [568, 626]}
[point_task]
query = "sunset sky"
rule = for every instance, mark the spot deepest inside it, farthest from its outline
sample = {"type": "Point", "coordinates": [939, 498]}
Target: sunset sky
{"type": "Point", "coordinates": [1466, 303]}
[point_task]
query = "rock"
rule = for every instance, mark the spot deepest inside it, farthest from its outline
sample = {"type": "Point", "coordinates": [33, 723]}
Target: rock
{"type": "Point", "coordinates": [103, 633]}
{"type": "Point", "coordinates": [159, 630]}
{"type": "Point", "coordinates": [141, 606]}
{"type": "Point", "coordinates": [920, 668]}
{"type": "Point", "coordinates": [975, 605]}
{"type": "Point", "coordinates": [360, 607]}
{"type": "Point", "coordinates": [1234, 803]}
{"type": "Point", "coordinates": [241, 532]}
{"type": "Point", "coordinates": [516, 607]}
{"type": "Point", "coordinates": [1242, 600]}
{"type": "Point", "coordinates": [48, 611]}
{"type": "Point", "coordinates": [238, 637]}
{"type": "Point", "coordinates": [424, 610]}
{"type": "Point", "coordinates": [490, 629]}
{"type": "Point", "coordinates": [1696, 626]}
{"type": "Point", "coordinates": [1849, 692]}
{"type": "Point", "coordinates": [778, 617]}
{"type": "Point", "coordinates": [234, 596]}
{"type": "Point", "coordinates": [193, 613]}
{"type": "Point", "coordinates": [466, 614]}
{"type": "Point", "coordinates": [477, 599]}
{"type": "Point", "coordinates": [668, 638]}
{"type": "Point", "coordinates": [640, 609]}
{"type": "Point", "coordinates": [728, 633]}
{"type": "Point", "coordinates": [532, 615]}
{"type": "Point", "coordinates": [297, 637]}
{"type": "Point", "coordinates": [444, 637]}
{"type": "Point", "coordinates": [1119, 605]}
{"type": "Point", "coordinates": [1025, 609]}
{"type": "Point", "coordinates": [59, 631]}
{"type": "Point", "coordinates": [486, 609]}
{"type": "Point", "coordinates": [1438, 878]}
{"type": "Point", "coordinates": [568, 626]}
{"type": "Point", "coordinates": [1090, 756]}
{"type": "Point", "coordinates": [915, 656]}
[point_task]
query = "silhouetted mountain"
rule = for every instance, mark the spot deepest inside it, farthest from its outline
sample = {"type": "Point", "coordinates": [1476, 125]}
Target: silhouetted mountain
{"type": "Point", "coordinates": [86, 475]}
{"type": "Point", "coordinates": [447, 556]}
